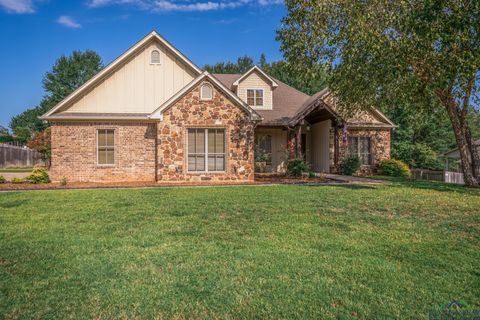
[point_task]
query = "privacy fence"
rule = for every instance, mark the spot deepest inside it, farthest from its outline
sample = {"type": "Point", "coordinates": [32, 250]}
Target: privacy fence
{"type": "Point", "coordinates": [12, 156]}
{"type": "Point", "coordinates": [444, 176]}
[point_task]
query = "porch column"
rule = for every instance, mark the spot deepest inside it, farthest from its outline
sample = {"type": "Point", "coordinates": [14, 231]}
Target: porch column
{"type": "Point", "coordinates": [299, 142]}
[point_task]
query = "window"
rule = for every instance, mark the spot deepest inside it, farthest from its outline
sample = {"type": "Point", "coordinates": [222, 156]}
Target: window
{"type": "Point", "coordinates": [206, 150]}
{"type": "Point", "coordinates": [206, 92]}
{"type": "Point", "coordinates": [106, 146]}
{"type": "Point", "coordinates": [255, 97]}
{"type": "Point", "coordinates": [360, 147]}
{"type": "Point", "coordinates": [263, 149]}
{"type": "Point", "coordinates": [155, 57]}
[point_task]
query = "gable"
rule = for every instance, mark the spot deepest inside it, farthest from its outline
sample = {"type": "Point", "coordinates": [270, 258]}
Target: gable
{"type": "Point", "coordinates": [132, 84]}
{"type": "Point", "coordinates": [255, 80]}
{"type": "Point", "coordinates": [193, 89]}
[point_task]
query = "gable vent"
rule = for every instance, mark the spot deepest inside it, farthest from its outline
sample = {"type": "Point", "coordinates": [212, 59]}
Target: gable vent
{"type": "Point", "coordinates": [155, 57]}
{"type": "Point", "coordinates": [206, 92]}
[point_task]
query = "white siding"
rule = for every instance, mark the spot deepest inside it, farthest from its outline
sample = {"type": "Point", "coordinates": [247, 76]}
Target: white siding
{"type": "Point", "coordinates": [137, 86]}
{"type": "Point", "coordinates": [256, 81]}
{"type": "Point", "coordinates": [320, 146]}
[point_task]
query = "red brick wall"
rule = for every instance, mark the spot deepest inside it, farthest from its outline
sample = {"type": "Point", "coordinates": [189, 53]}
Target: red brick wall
{"type": "Point", "coordinates": [190, 112]}
{"type": "Point", "coordinates": [74, 152]}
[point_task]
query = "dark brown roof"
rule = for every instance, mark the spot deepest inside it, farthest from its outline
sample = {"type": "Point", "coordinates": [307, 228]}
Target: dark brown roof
{"type": "Point", "coordinates": [287, 101]}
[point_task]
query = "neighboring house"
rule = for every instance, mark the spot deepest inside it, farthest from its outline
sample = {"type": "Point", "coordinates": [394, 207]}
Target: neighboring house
{"type": "Point", "coordinates": [154, 115]}
{"type": "Point", "coordinates": [455, 156]}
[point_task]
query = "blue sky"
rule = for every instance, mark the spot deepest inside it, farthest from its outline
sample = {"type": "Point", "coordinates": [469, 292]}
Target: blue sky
{"type": "Point", "coordinates": [34, 33]}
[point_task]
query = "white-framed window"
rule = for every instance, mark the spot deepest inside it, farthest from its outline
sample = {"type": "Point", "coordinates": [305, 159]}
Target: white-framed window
{"type": "Point", "coordinates": [206, 150]}
{"type": "Point", "coordinates": [206, 92]}
{"type": "Point", "coordinates": [105, 147]}
{"type": "Point", "coordinates": [155, 57]}
{"type": "Point", "coordinates": [255, 97]}
{"type": "Point", "coordinates": [361, 148]}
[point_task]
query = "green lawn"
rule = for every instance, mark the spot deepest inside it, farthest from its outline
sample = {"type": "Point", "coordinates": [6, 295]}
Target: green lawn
{"type": "Point", "coordinates": [393, 251]}
{"type": "Point", "coordinates": [16, 170]}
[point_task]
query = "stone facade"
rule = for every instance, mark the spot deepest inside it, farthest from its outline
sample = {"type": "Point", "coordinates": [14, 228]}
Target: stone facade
{"type": "Point", "coordinates": [191, 112]}
{"type": "Point", "coordinates": [380, 144]}
{"type": "Point", "coordinates": [74, 152]}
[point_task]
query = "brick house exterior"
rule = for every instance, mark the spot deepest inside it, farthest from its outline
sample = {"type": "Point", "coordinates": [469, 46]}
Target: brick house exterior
{"type": "Point", "coordinates": [166, 120]}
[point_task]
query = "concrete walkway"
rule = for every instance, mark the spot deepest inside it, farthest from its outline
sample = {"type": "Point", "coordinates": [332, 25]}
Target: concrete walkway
{"type": "Point", "coordinates": [10, 175]}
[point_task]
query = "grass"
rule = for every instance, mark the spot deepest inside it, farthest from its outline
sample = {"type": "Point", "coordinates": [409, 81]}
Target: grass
{"type": "Point", "coordinates": [388, 251]}
{"type": "Point", "coordinates": [16, 170]}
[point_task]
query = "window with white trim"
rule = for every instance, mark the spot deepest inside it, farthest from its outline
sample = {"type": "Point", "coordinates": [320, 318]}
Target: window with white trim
{"type": "Point", "coordinates": [105, 146]}
{"type": "Point", "coordinates": [255, 97]}
{"type": "Point", "coordinates": [155, 57]}
{"type": "Point", "coordinates": [361, 148]}
{"type": "Point", "coordinates": [206, 150]}
{"type": "Point", "coordinates": [206, 92]}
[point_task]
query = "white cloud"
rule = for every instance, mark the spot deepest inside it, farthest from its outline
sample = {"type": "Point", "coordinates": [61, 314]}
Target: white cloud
{"type": "Point", "coordinates": [183, 5]}
{"type": "Point", "coordinates": [17, 6]}
{"type": "Point", "coordinates": [68, 22]}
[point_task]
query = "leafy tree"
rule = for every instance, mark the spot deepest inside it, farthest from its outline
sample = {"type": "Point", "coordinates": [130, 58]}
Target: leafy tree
{"type": "Point", "coordinates": [41, 142]}
{"type": "Point", "coordinates": [67, 74]}
{"type": "Point", "coordinates": [5, 135]}
{"type": "Point", "coordinates": [423, 55]}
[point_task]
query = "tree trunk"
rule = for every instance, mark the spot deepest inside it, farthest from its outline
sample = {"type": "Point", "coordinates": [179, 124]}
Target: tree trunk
{"type": "Point", "coordinates": [468, 154]}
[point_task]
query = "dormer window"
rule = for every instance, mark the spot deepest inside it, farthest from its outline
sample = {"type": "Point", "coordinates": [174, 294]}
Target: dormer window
{"type": "Point", "coordinates": [155, 57]}
{"type": "Point", "coordinates": [255, 97]}
{"type": "Point", "coordinates": [206, 92]}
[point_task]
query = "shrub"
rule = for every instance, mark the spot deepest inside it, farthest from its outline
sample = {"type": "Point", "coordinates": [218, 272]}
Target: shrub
{"type": "Point", "coordinates": [39, 175]}
{"type": "Point", "coordinates": [395, 168]}
{"type": "Point", "coordinates": [312, 174]}
{"type": "Point", "coordinates": [349, 166]}
{"type": "Point", "coordinates": [417, 155]}
{"type": "Point", "coordinates": [2, 179]}
{"type": "Point", "coordinates": [63, 182]}
{"type": "Point", "coordinates": [295, 167]}
{"type": "Point", "coordinates": [17, 180]}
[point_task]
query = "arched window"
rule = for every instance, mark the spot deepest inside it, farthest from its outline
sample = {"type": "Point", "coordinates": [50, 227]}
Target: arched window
{"type": "Point", "coordinates": [206, 92]}
{"type": "Point", "coordinates": [155, 57]}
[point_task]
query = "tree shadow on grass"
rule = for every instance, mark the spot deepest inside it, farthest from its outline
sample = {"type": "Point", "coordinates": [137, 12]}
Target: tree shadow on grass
{"type": "Point", "coordinates": [430, 185]}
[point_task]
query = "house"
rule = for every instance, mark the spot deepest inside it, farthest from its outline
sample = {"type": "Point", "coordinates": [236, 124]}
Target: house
{"type": "Point", "coordinates": [154, 115]}
{"type": "Point", "coordinates": [455, 156]}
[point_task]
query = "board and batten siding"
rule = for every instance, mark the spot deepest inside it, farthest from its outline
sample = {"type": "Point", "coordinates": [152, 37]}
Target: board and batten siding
{"type": "Point", "coordinates": [137, 86]}
{"type": "Point", "coordinates": [320, 154]}
{"type": "Point", "coordinates": [256, 81]}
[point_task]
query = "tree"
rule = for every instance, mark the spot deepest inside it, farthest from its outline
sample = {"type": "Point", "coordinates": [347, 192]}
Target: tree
{"type": "Point", "coordinates": [67, 74]}
{"type": "Point", "coordinates": [420, 54]}
{"type": "Point", "coordinates": [41, 142]}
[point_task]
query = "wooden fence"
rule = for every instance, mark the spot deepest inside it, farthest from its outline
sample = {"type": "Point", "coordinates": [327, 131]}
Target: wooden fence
{"type": "Point", "coordinates": [18, 157]}
{"type": "Point", "coordinates": [444, 176]}
{"type": "Point", "coordinates": [424, 174]}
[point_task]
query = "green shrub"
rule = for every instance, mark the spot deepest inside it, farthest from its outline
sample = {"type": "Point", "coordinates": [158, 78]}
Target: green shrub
{"type": "Point", "coordinates": [349, 166]}
{"type": "Point", "coordinates": [417, 155]}
{"type": "Point", "coordinates": [395, 168]}
{"type": "Point", "coordinates": [2, 179]}
{"type": "Point", "coordinates": [17, 180]}
{"type": "Point", "coordinates": [39, 175]}
{"type": "Point", "coordinates": [295, 167]}
{"type": "Point", "coordinates": [312, 174]}
{"type": "Point", "coordinates": [63, 182]}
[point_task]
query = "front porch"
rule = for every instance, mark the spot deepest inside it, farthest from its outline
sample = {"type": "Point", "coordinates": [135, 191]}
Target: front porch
{"type": "Point", "coordinates": [314, 138]}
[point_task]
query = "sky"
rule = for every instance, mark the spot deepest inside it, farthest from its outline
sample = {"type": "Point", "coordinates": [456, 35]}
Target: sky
{"type": "Point", "coordinates": [34, 33]}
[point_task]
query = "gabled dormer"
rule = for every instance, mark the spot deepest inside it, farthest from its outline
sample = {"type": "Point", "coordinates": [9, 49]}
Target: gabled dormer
{"type": "Point", "coordinates": [255, 88]}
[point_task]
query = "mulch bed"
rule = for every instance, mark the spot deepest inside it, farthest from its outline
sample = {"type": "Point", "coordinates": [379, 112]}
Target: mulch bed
{"type": "Point", "coordinates": [260, 179]}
